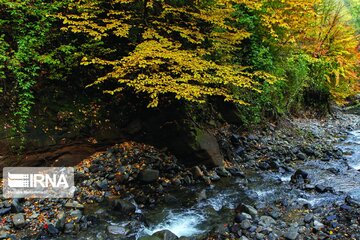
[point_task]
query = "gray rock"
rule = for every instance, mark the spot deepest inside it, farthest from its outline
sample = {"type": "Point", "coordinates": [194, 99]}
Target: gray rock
{"type": "Point", "coordinates": [118, 230]}
{"type": "Point", "coordinates": [245, 224]}
{"type": "Point", "coordinates": [242, 216]}
{"type": "Point", "coordinates": [247, 209]}
{"type": "Point", "coordinates": [308, 218]}
{"type": "Point", "coordinates": [318, 225]}
{"type": "Point", "coordinates": [222, 172]}
{"type": "Point", "coordinates": [19, 220]}
{"type": "Point", "coordinates": [243, 238]}
{"type": "Point", "coordinates": [149, 175]}
{"type": "Point", "coordinates": [74, 204]}
{"type": "Point", "coordinates": [123, 206]}
{"type": "Point", "coordinates": [201, 196]}
{"type": "Point", "coordinates": [4, 210]}
{"type": "Point", "coordinates": [165, 235]}
{"type": "Point", "coordinates": [266, 221]}
{"type": "Point", "coordinates": [69, 227]}
{"type": "Point", "coordinates": [76, 214]}
{"type": "Point", "coordinates": [292, 233]}
{"type": "Point", "coordinates": [60, 222]}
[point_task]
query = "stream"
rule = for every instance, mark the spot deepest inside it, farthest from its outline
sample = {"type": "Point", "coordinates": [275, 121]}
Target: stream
{"type": "Point", "coordinates": [192, 218]}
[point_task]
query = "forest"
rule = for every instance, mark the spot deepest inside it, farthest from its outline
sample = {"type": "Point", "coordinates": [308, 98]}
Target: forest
{"type": "Point", "coordinates": [155, 103]}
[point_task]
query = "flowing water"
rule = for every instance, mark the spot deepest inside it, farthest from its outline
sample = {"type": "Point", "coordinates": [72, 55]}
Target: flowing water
{"type": "Point", "coordinates": [193, 218]}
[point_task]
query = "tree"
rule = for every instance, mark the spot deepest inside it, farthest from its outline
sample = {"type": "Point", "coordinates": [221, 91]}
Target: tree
{"type": "Point", "coordinates": [166, 47]}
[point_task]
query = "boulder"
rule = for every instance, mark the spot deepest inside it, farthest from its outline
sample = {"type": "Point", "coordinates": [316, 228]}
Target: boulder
{"type": "Point", "coordinates": [149, 175]}
{"type": "Point", "coordinates": [165, 235]}
{"type": "Point", "coordinates": [19, 220]}
{"type": "Point", "coordinates": [122, 206]}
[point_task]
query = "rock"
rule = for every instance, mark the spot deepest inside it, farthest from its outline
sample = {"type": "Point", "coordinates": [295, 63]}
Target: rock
{"type": "Point", "coordinates": [242, 216]}
{"type": "Point", "coordinates": [74, 204]}
{"type": "Point", "coordinates": [19, 220]}
{"type": "Point", "coordinates": [149, 175]}
{"type": "Point", "coordinates": [266, 221]}
{"type": "Point", "coordinates": [299, 176]}
{"type": "Point", "coordinates": [292, 233]}
{"type": "Point", "coordinates": [264, 166]}
{"type": "Point", "coordinates": [301, 156]}
{"type": "Point", "coordinates": [235, 172]}
{"type": "Point", "coordinates": [118, 230]}
{"type": "Point", "coordinates": [60, 222]}
{"type": "Point", "coordinates": [4, 210]}
{"type": "Point", "coordinates": [103, 185]}
{"type": "Point", "coordinates": [197, 172]}
{"type": "Point", "coordinates": [247, 209]}
{"type": "Point", "coordinates": [123, 206]}
{"type": "Point", "coordinates": [149, 238]}
{"type": "Point", "coordinates": [209, 148]}
{"type": "Point", "coordinates": [52, 230]}
{"type": "Point", "coordinates": [260, 236]}
{"type": "Point", "coordinates": [320, 188]}
{"type": "Point", "coordinates": [222, 172]}
{"type": "Point", "coordinates": [243, 238]}
{"type": "Point", "coordinates": [331, 218]}
{"type": "Point", "coordinates": [245, 224]}
{"type": "Point", "coordinates": [16, 205]}
{"type": "Point", "coordinates": [76, 215]}
{"type": "Point", "coordinates": [318, 225]}
{"type": "Point", "coordinates": [308, 217]}
{"type": "Point", "coordinates": [165, 235]}
{"type": "Point", "coordinates": [170, 199]}
{"type": "Point", "coordinates": [69, 227]}
{"type": "Point", "coordinates": [201, 196]}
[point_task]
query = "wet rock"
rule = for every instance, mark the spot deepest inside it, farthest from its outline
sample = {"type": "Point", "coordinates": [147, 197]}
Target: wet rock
{"type": "Point", "coordinates": [352, 202]}
{"type": "Point", "coordinates": [301, 156]}
{"type": "Point", "coordinates": [243, 238]}
{"type": "Point", "coordinates": [308, 217]}
{"type": "Point", "coordinates": [266, 221]}
{"type": "Point", "coordinates": [245, 224]}
{"type": "Point", "coordinates": [331, 218]}
{"type": "Point", "coordinates": [4, 210]}
{"type": "Point", "coordinates": [19, 220]}
{"type": "Point", "coordinates": [222, 172]}
{"type": "Point", "coordinates": [118, 230]}
{"type": "Point", "coordinates": [292, 233]}
{"type": "Point", "coordinates": [247, 209]}
{"type": "Point", "coordinates": [318, 225]}
{"type": "Point", "coordinates": [241, 217]}
{"type": "Point", "coordinates": [170, 199]}
{"type": "Point", "coordinates": [149, 175]}
{"type": "Point", "coordinates": [201, 196]}
{"type": "Point", "coordinates": [149, 238]}
{"type": "Point", "coordinates": [264, 166]}
{"type": "Point", "coordinates": [165, 235]}
{"type": "Point", "coordinates": [235, 172]}
{"type": "Point", "coordinates": [123, 206]}
{"type": "Point", "coordinates": [300, 176]}
{"type": "Point", "coordinates": [322, 188]}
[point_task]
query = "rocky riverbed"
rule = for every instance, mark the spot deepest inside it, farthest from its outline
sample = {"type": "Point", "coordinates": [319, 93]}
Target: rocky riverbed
{"type": "Point", "coordinates": [297, 179]}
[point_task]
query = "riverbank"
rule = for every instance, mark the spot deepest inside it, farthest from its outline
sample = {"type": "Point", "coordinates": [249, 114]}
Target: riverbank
{"type": "Point", "coordinates": [285, 180]}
